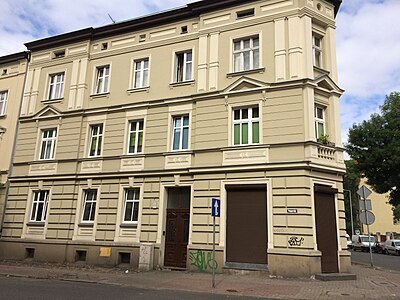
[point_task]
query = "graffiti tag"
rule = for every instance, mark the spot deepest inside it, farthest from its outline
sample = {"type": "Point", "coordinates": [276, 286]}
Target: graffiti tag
{"type": "Point", "coordinates": [201, 261]}
{"type": "Point", "coordinates": [294, 241]}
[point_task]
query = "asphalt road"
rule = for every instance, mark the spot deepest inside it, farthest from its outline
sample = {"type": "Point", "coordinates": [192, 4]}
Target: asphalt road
{"type": "Point", "coordinates": [25, 288]}
{"type": "Point", "coordinates": [388, 262]}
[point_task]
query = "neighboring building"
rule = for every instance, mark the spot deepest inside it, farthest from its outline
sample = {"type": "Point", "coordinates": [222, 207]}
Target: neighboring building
{"type": "Point", "coordinates": [128, 130]}
{"type": "Point", "coordinates": [384, 226]}
{"type": "Point", "coordinates": [12, 75]}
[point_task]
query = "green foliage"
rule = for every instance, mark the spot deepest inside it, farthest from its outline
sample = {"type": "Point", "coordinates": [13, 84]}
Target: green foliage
{"type": "Point", "coordinates": [396, 213]}
{"type": "Point", "coordinates": [375, 146]}
{"type": "Point", "coordinates": [351, 183]}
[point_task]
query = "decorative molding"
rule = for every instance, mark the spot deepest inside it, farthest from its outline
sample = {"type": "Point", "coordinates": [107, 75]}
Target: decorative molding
{"type": "Point", "coordinates": [43, 169]}
{"type": "Point", "coordinates": [178, 161]}
{"type": "Point", "coordinates": [91, 166]}
{"type": "Point", "coordinates": [245, 156]}
{"type": "Point", "coordinates": [132, 164]}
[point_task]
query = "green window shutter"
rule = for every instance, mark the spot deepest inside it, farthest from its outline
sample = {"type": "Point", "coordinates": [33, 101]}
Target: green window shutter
{"type": "Point", "coordinates": [256, 132]}
{"type": "Point", "coordinates": [245, 133]}
{"type": "Point", "coordinates": [237, 134]}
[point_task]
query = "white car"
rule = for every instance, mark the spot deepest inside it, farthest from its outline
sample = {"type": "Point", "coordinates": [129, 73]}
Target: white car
{"type": "Point", "coordinates": [392, 247]}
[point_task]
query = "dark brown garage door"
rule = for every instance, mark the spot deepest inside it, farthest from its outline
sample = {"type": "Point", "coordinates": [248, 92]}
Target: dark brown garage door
{"type": "Point", "coordinates": [325, 221]}
{"type": "Point", "coordinates": [246, 224]}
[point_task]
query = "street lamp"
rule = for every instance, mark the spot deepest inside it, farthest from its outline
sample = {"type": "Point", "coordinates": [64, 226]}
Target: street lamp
{"type": "Point", "coordinates": [351, 212]}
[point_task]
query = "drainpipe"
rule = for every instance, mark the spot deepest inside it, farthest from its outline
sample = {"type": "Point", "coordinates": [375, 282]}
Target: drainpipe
{"type": "Point", "coordinates": [10, 169]}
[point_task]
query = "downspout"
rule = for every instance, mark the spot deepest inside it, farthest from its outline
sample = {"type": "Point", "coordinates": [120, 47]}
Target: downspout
{"type": "Point", "coordinates": [28, 57]}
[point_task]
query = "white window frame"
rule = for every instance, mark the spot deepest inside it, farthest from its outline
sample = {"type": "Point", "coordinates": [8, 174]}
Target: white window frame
{"type": "Point", "coordinates": [185, 64]}
{"type": "Point", "coordinates": [134, 201]}
{"type": "Point", "coordinates": [36, 201]}
{"type": "Point", "coordinates": [45, 141]}
{"type": "Point", "coordinates": [102, 80]}
{"type": "Point", "coordinates": [98, 138]}
{"type": "Point", "coordinates": [56, 86]}
{"type": "Point", "coordinates": [137, 132]}
{"type": "Point", "coordinates": [141, 71]}
{"type": "Point", "coordinates": [93, 205]}
{"type": "Point", "coordinates": [319, 120]}
{"type": "Point", "coordinates": [252, 50]}
{"type": "Point", "coordinates": [3, 102]}
{"type": "Point", "coordinates": [249, 121]}
{"type": "Point", "coordinates": [181, 129]}
{"type": "Point", "coordinates": [317, 49]}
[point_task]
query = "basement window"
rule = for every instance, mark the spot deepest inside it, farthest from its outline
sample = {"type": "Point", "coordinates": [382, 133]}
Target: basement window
{"type": "Point", "coordinates": [80, 255]}
{"type": "Point", "coordinates": [245, 13]}
{"type": "Point", "coordinates": [59, 54]}
{"type": "Point", "coordinates": [124, 258]}
{"type": "Point", "coordinates": [29, 253]}
{"type": "Point", "coordinates": [4, 72]}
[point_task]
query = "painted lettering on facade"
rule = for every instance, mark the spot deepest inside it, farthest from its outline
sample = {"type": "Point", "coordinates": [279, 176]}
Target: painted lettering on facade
{"type": "Point", "coordinates": [295, 241]}
{"type": "Point", "coordinates": [202, 260]}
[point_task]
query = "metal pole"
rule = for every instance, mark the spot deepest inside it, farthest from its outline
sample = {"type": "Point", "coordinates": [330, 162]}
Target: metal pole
{"type": "Point", "coordinates": [369, 233]}
{"type": "Point", "coordinates": [213, 256]}
{"type": "Point", "coordinates": [351, 213]}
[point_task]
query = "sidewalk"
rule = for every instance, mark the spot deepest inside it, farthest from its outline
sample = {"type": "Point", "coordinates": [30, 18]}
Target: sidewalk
{"type": "Point", "coordinates": [370, 283]}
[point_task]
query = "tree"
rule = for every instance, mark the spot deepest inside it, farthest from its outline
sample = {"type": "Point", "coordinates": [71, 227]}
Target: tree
{"type": "Point", "coordinates": [351, 184]}
{"type": "Point", "coordinates": [375, 146]}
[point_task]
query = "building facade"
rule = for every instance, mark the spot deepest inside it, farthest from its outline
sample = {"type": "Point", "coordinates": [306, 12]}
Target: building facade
{"type": "Point", "coordinates": [384, 226]}
{"type": "Point", "coordinates": [12, 76]}
{"type": "Point", "coordinates": [128, 131]}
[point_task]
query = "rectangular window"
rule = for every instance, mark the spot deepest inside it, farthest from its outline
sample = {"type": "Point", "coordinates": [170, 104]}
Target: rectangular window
{"type": "Point", "coordinates": [89, 205]}
{"type": "Point", "coordinates": [141, 73]}
{"type": "Point", "coordinates": [317, 50]}
{"type": "Point", "coordinates": [184, 66]}
{"type": "Point", "coordinates": [319, 122]}
{"type": "Point", "coordinates": [39, 206]}
{"type": "Point", "coordinates": [246, 126]}
{"type": "Point", "coordinates": [48, 144]}
{"type": "Point", "coordinates": [3, 102]}
{"type": "Point", "coordinates": [96, 139]}
{"type": "Point", "coordinates": [131, 205]}
{"type": "Point", "coordinates": [56, 86]}
{"type": "Point", "coordinates": [180, 134]}
{"type": "Point", "coordinates": [246, 54]}
{"type": "Point", "coordinates": [102, 79]}
{"type": "Point", "coordinates": [135, 138]}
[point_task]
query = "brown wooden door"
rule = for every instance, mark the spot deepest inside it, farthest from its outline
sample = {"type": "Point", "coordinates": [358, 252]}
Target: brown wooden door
{"type": "Point", "coordinates": [177, 227]}
{"type": "Point", "coordinates": [176, 239]}
{"type": "Point", "coordinates": [246, 240]}
{"type": "Point", "coordinates": [325, 221]}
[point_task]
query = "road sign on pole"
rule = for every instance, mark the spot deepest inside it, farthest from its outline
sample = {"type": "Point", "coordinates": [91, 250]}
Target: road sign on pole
{"type": "Point", "coordinates": [216, 207]}
{"type": "Point", "coordinates": [215, 212]}
{"type": "Point", "coordinates": [367, 216]}
{"type": "Point", "coordinates": [364, 192]}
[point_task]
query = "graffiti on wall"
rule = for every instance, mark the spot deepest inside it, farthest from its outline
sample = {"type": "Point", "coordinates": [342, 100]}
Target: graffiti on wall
{"type": "Point", "coordinates": [202, 260]}
{"type": "Point", "coordinates": [295, 241]}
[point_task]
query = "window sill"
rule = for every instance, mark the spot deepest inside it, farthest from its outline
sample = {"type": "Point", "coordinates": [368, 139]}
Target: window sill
{"type": "Point", "coordinates": [100, 95]}
{"type": "Point", "coordinates": [36, 224]}
{"type": "Point", "coordinates": [86, 225]}
{"type": "Point", "coordinates": [3, 116]}
{"type": "Point", "coordinates": [322, 70]}
{"type": "Point", "coordinates": [182, 83]}
{"type": "Point", "coordinates": [179, 152]}
{"type": "Point", "coordinates": [127, 155]}
{"type": "Point", "coordinates": [234, 74]}
{"type": "Point", "coordinates": [250, 146]}
{"type": "Point", "coordinates": [127, 225]}
{"type": "Point", "coordinates": [56, 100]}
{"type": "Point", "coordinates": [137, 90]}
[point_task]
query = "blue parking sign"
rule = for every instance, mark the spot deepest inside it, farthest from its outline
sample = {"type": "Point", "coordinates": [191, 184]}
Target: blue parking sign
{"type": "Point", "coordinates": [216, 207]}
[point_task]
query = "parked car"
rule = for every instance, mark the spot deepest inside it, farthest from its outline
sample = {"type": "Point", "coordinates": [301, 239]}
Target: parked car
{"type": "Point", "coordinates": [392, 247]}
{"type": "Point", "coordinates": [361, 242]}
{"type": "Point", "coordinates": [349, 243]}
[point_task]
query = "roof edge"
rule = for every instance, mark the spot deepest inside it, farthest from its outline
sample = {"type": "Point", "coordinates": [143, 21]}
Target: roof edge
{"type": "Point", "coordinates": [14, 57]}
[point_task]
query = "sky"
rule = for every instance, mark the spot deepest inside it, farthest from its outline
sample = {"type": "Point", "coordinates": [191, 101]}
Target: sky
{"type": "Point", "coordinates": [368, 40]}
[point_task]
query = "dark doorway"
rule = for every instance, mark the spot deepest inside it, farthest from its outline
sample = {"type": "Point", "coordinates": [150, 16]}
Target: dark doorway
{"type": "Point", "coordinates": [177, 227]}
{"type": "Point", "coordinates": [246, 226]}
{"type": "Point", "coordinates": [325, 222]}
